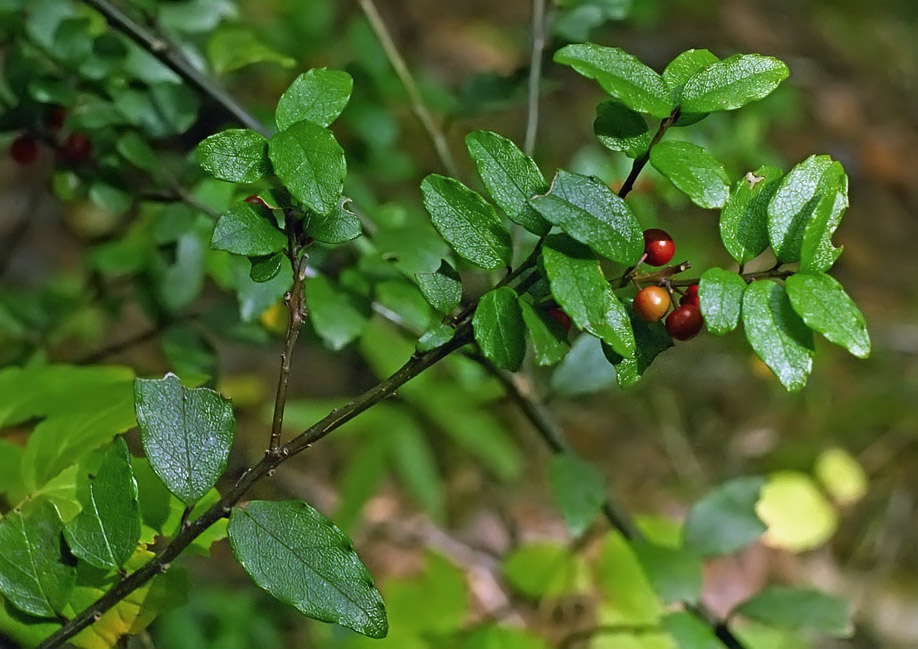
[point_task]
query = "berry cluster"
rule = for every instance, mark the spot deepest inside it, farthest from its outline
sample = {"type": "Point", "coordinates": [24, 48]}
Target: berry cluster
{"type": "Point", "coordinates": [75, 149]}
{"type": "Point", "coordinates": [652, 302]}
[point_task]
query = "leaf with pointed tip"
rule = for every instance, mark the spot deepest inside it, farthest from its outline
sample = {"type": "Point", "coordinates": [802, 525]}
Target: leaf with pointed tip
{"type": "Point", "coordinates": [186, 434]}
{"type": "Point", "coordinates": [720, 294]}
{"type": "Point", "coordinates": [237, 155]}
{"type": "Point", "coordinates": [106, 532]}
{"type": "Point", "coordinates": [620, 74]}
{"type": "Point", "coordinates": [318, 95]}
{"type": "Point", "coordinates": [794, 204]}
{"type": "Point", "coordinates": [817, 254]}
{"type": "Point", "coordinates": [442, 289]}
{"type": "Point", "coordinates": [777, 334]}
{"type": "Point", "coordinates": [694, 171]}
{"type": "Point", "coordinates": [744, 219]}
{"type": "Point", "coordinates": [37, 574]}
{"type": "Point", "coordinates": [246, 230]}
{"type": "Point", "coordinates": [732, 83]}
{"type": "Point", "coordinates": [338, 226]}
{"type": "Point", "coordinates": [825, 307]}
{"type": "Point", "coordinates": [467, 222]}
{"type": "Point", "coordinates": [310, 163]}
{"type": "Point", "coordinates": [304, 560]}
{"type": "Point", "coordinates": [499, 328]}
{"type": "Point", "coordinates": [594, 215]}
{"type": "Point", "coordinates": [266, 267]}
{"type": "Point", "coordinates": [681, 69]}
{"type": "Point", "coordinates": [510, 176]}
{"type": "Point", "coordinates": [621, 129]}
{"type": "Point", "coordinates": [549, 340]}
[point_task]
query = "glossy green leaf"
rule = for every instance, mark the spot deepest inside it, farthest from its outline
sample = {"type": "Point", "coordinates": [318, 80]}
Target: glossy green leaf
{"type": "Point", "coordinates": [544, 570]}
{"type": "Point", "coordinates": [549, 340]}
{"type": "Point", "coordinates": [685, 66]}
{"type": "Point", "coordinates": [333, 313]}
{"type": "Point", "coordinates": [799, 609]}
{"type": "Point", "coordinates": [37, 574]}
{"type": "Point", "coordinates": [186, 434]}
{"type": "Point", "coordinates": [594, 215]}
{"type": "Point", "coordinates": [725, 519]}
{"type": "Point", "coordinates": [318, 95]}
{"type": "Point", "coordinates": [310, 163]}
{"type": "Point", "coordinates": [825, 307]}
{"type": "Point", "coordinates": [236, 155]}
{"type": "Point", "coordinates": [246, 230]}
{"type": "Point", "coordinates": [232, 47]}
{"type": "Point", "coordinates": [650, 339]}
{"type": "Point", "coordinates": [405, 300]}
{"type": "Point", "coordinates": [794, 204]}
{"type": "Point", "coordinates": [467, 222]}
{"type": "Point", "coordinates": [301, 558]}
{"type": "Point", "coordinates": [744, 219]}
{"type": "Point", "coordinates": [675, 573]}
{"type": "Point", "coordinates": [578, 285]}
{"type": "Point", "coordinates": [620, 74]}
{"type": "Point", "coordinates": [817, 254]}
{"type": "Point", "coordinates": [720, 294]}
{"type": "Point", "coordinates": [435, 337]}
{"type": "Point", "coordinates": [442, 289]}
{"type": "Point", "coordinates": [777, 334]}
{"type": "Point", "coordinates": [106, 532]}
{"type": "Point", "coordinates": [339, 226]}
{"type": "Point", "coordinates": [732, 83]}
{"type": "Point", "coordinates": [578, 489]}
{"type": "Point", "coordinates": [694, 171]}
{"type": "Point", "coordinates": [621, 129]}
{"type": "Point", "coordinates": [510, 176]}
{"type": "Point", "coordinates": [266, 267]}
{"type": "Point", "coordinates": [499, 328]}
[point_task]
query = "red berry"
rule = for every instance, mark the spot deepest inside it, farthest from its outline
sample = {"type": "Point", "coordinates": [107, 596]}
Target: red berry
{"type": "Point", "coordinates": [55, 117]}
{"type": "Point", "coordinates": [561, 318]}
{"type": "Point", "coordinates": [76, 149]}
{"type": "Point", "coordinates": [684, 322]}
{"type": "Point", "coordinates": [658, 246]}
{"type": "Point", "coordinates": [691, 296]}
{"type": "Point", "coordinates": [651, 303]}
{"type": "Point", "coordinates": [24, 149]}
{"type": "Point", "coordinates": [255, 199]}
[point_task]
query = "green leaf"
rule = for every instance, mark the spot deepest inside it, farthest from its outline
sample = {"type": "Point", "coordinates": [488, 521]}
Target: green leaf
{"type": "Point", "coordinates": [685, 66]}
{"type": "Point", "coordinates": [825, 307]}
{"type": "Point", "coordinates": [689, 632]}
{"type": "Point", "coordinates": [621, 129]}
{"type": "Point", "coordinates": [841, 475]}
{"type": "Point", "coordinates": [694, 171]}
{"type": "Point", "coordinates": [578, 285]}
{"type": "Point", "coordinates": [310, 163]}
{"type": "Point", "coordinates": [594, 215]}
{"type": "Point", "coordinates": [499, 328]}
{"type": "Point", "coordinates": [584, 370]}
{"type": "Point", "coordinates": [578, 489]}
{"type": "Point", "coordinates": [442, 289]}
{"type": "Point", "coordinates": [361, 476]}
{"type": "Point", "coordinates": [675, 574]}
{"type": "Point", "coordinates": [777, 334]}
{"type": "Point", "coordinates": [797, 513]}
{"type": "Point", "coordinates": [627, 595]}
{"type": "Point", "coordinates": [435, 337]}
{"type": "Point", "coordinates": [135, 149]}
{"type": "Point", "coordinates": [732, 83]}
{"type": "Point", "coordinates": [720, 293]}
{"type": "Point", "coordinates": [817, 253]}
{"type": "Point", "coordinates": [37, 575]}
{"type": "Point", "coordinates": [232, 47]}
{"type": "Point", "coordinates": [794, 204]}
{"type": "Point", "coordinates": [744, 219]}
{"type": "Point", "coordinates": [266, 267]}
{"type": "Point", "coordinates": [491, 636]}
{"type": "Point", "coordinates": [725, 519]}
{"type": "Point", "coordinates": [414, 461]}
{"type": "Point", "coordinates": [245, 230]}
{"type": "Point", "coordinates": [549, 340]}
{"type": "Point", "coordinates": [301, 558]}
{"type": "Point", "coordinates": [467, 222]}
{"type": "Point", "coordinates": [106, 532]}
{"type": "Point", "coordinates": [799, 609]}
{"type": "Point", "coordinates": [318, 95]}
{"type": "Point", "coordinates": [510, 176]}
{"type": "Point", "coordinates": [332, 312]}
{"type": "Point", "coordinates": [237, 155]}
{"type": "Point", "coordinates": [339, 226]}
{"type": "Point", "coordinates": [650, 340]}
{"type": "Point", "coordinates": [186, 434]}
{"type": "Point", "coordinates": [620, 74]}
{"type": "Point", "coordinates": [544, 569]}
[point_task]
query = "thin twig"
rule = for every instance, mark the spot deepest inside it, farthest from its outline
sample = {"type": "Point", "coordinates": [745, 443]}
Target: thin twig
{"type": "Point", "coordinates": [437, 138]}
{"type": "Point", "coordinates": [172, 58]}
{"type": "Point", "coordinates": [641, 161]}
{"type": "Point", "coordinates": [539, 29]}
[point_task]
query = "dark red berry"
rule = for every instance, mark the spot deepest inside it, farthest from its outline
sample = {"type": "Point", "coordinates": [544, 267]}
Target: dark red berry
{"type": "Point", "coordinates": [55, 117]}
{"type": "Point", "coordinates": [658, 246]}
{"type": "Point", "coordinates": [684, 322]}
{"type": "Point", "coordinates": [691, 296]}
{"type": "Point", "coordinates": [561, 318]}
{"type": "Point", "coordinates": [24, 149]}
{"type": "Point", "coordinates": [651, 303]}
{"type": "Point", "coordinates": [76, 149]}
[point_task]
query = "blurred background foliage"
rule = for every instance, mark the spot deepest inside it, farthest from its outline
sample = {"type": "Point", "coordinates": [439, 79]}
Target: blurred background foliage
{"type": "Point", "coordinates": [437, 511]}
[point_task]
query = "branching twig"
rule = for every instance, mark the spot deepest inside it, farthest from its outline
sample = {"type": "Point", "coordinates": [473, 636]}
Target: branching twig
{"type": "Point", "coordinates": [641, 161]}
{"type": "Point", "coordinates": [539, 30]}
{"type": "Point", "coordinates": [172, 58]}
{"type": "Point", "coordinates": [437, 138]}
